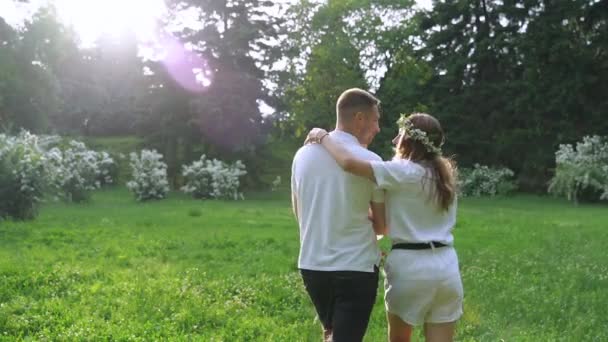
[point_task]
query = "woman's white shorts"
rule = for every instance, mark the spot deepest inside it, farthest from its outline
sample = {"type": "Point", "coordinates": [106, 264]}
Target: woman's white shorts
{"type": "Point", "coordinates": [423, 286]}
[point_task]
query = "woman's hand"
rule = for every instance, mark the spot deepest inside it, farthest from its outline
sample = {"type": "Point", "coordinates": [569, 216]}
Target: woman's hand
{"type": "Point", "coordinates": [315, 136]}
{"type": "Point", "coordinates": [342, 155]}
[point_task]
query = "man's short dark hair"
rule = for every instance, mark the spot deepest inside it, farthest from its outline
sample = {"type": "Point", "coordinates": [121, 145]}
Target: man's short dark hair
{"type": "Point", "coordinates": [354, 100]}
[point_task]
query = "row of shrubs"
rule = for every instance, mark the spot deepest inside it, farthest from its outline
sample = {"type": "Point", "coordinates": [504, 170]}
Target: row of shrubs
{"type": "Point", "coordinates": [204, 178]}
{"type": "Point", "coordinates": [581, 173]}
{"type": "Point", "coordinates": [32, 167]}
{"type": "Point", "coordinates": [36, 167]}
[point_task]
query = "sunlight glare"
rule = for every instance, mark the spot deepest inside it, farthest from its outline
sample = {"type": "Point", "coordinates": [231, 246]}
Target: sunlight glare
{"type": "Point", "coordinates": [94, 18]}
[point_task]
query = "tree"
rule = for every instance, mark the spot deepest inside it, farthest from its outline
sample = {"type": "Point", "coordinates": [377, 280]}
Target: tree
{"type": "Point", "coordinates": [167, 120]}
{"type": "Point", "coordinates": [29, 86]}
{"type": "Point", "coordinates": [321, 62]}
{"type": "Point", "coordinates": [333, 67]}
{"type": "Point", "coordinates": [101, 87]}
{"type": "Point", "coordinates": [402, 90]}
{"type": "Point", "coordinates": [512, 79]}
{"type": "Point", "coordinates": [234, 47]}
{"type": "Point", "coordinates": [335, 46]}
{"type": "Point", "coordinates": [203, 96]}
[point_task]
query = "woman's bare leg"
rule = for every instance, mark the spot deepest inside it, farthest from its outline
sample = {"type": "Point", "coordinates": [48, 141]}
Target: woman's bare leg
{"type": "Point", "coordinates": [439, 332]}
{"type": "Point", "coordinates": [398, 330]}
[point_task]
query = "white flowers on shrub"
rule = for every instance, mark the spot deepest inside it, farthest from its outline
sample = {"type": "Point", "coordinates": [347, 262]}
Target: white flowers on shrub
{"type": "Point", "coordinates": [581, 169]}
{"type": "Point", "coordinates": [23, 176]}
{"type": "Point", "coordinates": [76, 171]}
{"type": "Point", "coordinates": [149, 176]}
{"type": "Point", "coordinates": [482, 180]}
{"type": "Point", "coordinates": [206, 178]}
{"type": "Point", "coordinates": [105, 164]}
{"type": "Point", "coordinates": [275, 184]}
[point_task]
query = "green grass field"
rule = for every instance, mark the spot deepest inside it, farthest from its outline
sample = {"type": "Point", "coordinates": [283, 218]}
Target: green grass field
{"type": "Point", "coordinates": [534, 269]}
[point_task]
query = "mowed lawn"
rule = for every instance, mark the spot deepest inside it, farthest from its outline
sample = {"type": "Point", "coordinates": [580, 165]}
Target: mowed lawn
{"type": "Point", "coordinates": [534, 269]}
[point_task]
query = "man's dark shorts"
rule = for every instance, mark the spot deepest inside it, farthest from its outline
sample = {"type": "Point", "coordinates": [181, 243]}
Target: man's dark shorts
{"type": "Point", "coordinates": [343, 300]}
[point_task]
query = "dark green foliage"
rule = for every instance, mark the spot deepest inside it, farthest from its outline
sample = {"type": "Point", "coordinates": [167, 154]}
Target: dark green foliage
{"type": "Point", "coordinates": [510, 80]}
{"type": "Point", "coordinates": [102, 87]}
{"type": "Point", "coordinates": [222, 119]}
{"type": "Point", "coordinates": [28, 87]}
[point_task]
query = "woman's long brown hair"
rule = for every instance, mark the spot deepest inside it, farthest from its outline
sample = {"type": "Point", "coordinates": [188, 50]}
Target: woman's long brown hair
{"type": "Point", "coordinates": [443, 170]}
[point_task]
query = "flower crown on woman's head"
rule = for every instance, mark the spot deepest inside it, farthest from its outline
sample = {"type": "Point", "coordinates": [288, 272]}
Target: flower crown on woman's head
{"type": "Point", "coordinates": [406, 126]}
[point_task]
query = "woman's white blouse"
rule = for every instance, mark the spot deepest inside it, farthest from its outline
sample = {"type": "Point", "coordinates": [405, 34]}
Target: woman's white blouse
{"type": "Point", "coordinates": [412, 213]}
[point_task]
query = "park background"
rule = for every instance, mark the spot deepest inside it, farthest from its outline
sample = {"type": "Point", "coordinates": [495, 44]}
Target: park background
{"type": "Point", "coordinates": [519, 85]}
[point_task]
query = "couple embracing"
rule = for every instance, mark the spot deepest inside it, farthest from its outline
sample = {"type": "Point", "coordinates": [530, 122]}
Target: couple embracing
{"type": "Point", "coordinates": [344, 195]}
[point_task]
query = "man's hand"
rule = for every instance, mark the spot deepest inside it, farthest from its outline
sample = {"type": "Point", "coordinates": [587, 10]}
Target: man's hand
{"type": "Point", "coordinates": [378, 218]}
{"type": "Point", "coordinates": [370, 216]}
{"type": "Point", "coordinates": [315, 136]}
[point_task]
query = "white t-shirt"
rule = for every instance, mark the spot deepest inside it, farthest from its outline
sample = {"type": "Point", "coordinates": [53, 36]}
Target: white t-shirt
{"type": "Point", "coordinates": [332, 206]}
{"type": "Point", "coordinates": [411, 214]}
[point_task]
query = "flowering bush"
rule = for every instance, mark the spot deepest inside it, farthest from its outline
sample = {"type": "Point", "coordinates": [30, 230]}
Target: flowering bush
{"type": "Point", "coordinates": [582, 173]}
{"type": "Point", "coordinates": [108, 168]}
{"type": "Point", "coordinates": [484, 181]}
{"type": "Point", "coordinates": [76, 171]}
{"type": "Point", "coordinates": [206, 178]}
{"type": "Point", "coordinates": [23, 176]}
{"type": "Point", "coordinates": [149, 176]}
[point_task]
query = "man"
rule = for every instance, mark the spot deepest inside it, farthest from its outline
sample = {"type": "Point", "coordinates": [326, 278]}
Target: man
{"type": "Point", "coordinates": [339, 255]}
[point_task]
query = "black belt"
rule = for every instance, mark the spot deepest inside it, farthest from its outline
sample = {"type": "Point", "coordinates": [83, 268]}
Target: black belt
{"type": "Point", "coordinates": [418, 245]}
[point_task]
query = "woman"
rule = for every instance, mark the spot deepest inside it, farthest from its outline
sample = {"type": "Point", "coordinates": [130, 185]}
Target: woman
{"type": "Point", "coordinates": [422, 279]}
